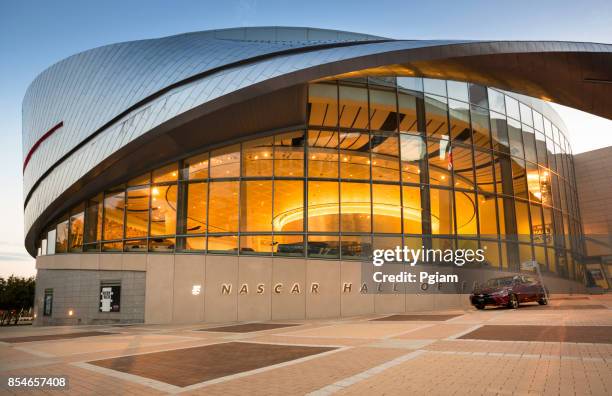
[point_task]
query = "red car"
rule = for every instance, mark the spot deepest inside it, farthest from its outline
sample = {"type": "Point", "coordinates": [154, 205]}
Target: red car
{"type": "Point", "coordinates": [509, 291]}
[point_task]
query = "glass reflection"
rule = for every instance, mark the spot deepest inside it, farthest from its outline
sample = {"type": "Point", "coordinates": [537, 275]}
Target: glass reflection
{"type": "Point", "coordinates": [113, 215]}
{"type": "Point", "coordinates": [378, 159]}
{"type": "Point", "coordinates": [163, 210]}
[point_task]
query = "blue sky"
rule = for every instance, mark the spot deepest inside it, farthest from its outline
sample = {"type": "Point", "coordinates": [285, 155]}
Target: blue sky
{"type": "Point", "coordinates": [36, 34]}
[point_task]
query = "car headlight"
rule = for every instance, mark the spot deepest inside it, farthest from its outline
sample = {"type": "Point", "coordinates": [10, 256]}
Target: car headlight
{"type": "Point", "coordinates": [501, 293]}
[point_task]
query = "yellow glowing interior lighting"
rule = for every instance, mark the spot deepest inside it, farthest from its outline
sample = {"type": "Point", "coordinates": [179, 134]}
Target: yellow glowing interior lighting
{"type": "Point", "coordinates": [533, 184]}
{"type": "Point", "coordinates": [362, 208]}
{"type": "Point", "coordinates": [70, 312]}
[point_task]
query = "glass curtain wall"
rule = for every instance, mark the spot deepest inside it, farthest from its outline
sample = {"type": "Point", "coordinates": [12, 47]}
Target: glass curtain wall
{"type": "Point", "coordinates": [382, 160]}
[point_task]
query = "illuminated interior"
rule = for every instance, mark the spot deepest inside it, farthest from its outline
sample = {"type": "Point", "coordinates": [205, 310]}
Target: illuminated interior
{"type": "Point", "coordinates": [381, 161]}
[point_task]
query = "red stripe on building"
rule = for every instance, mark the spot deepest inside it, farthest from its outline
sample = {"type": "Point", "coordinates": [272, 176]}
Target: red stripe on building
{"type": "Point", "coordinates": [39, 141]}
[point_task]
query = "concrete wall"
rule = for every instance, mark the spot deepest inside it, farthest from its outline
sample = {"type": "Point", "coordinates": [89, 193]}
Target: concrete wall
{"type": "Point", "coordinates": [168, 288]}
{"type": "Point", "coordinates": [79, 291]}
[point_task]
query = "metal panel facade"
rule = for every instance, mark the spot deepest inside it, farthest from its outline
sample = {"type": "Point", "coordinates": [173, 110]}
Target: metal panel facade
{"type": "Point", "coordinates": [109, 96]}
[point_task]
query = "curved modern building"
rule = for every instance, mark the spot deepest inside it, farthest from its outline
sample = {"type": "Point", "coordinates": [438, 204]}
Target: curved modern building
{"type": "Point", "coordinates": [247, 174]}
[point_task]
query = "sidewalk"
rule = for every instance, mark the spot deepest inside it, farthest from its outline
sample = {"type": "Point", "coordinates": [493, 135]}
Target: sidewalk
{"type": "Point", "coordinates": [454, 352]}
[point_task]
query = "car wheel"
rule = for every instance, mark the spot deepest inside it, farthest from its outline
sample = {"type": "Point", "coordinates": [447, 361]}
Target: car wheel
{"type": "Point", "coordinates": [514, 302]}
{"type": "Point", "coordinates": [480, 306]}
{"type": "Point", "coordinates": [543, 301]}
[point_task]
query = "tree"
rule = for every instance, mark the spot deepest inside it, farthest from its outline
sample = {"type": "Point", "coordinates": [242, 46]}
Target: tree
{"type": "Point", "coordinates": [16, 298]}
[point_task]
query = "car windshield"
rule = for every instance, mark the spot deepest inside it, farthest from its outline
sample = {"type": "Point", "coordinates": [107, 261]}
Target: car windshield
{"type": "Point", "coordinates": [500, 282]}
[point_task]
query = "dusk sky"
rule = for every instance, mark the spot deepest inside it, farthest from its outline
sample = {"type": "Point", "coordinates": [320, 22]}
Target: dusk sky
{"type": "Point", "coordinates": [36, 34]}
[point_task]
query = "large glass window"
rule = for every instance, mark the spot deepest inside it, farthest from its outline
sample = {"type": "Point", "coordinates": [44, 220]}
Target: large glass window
{"type": "Point", "coordinates": [496, 101]}
{"type": "Point", "coordinates": [354, 155]}
{"type": "Point", "coordinates": [385, 156]}
{"type": "Point", "coordinates": [114, 202]}
{"type": "Point", "coordinates": [256, 206]}
{"type": "Point", "coordinates": [499, 132]}
{"type": "Point", "coordinates": [467, 221]}
{"type": "Point", "coordinates": [541, 148]}
{"type": "Point", "coordinates": [137, 212]}
{"type": "Point", "coordinates": [484, 168]}
{"type": "Point", "coordinates": [75, 240]}
{"type": "Point", "coordinates": [355, 247]}
{"type": "Point", "coordinates": [407, 111]}
{"type": "Point", "coordinates": [413, 156]}
{"type": "Point", "coordinates": [480, 127]}
{"type": "Point", "coordinates": [224, 244]}
{"type": "Point", "coordinates": [533, 182]}
{"type": "Point", "coordinates": [436, 116]}
{"type": "Point", "coordinates": [411, 209]}
{"type": "Point", "coordinates": [487, 216]}
{"type": "Point", "coordinates": [386, 208]}
{"type": "Point", "coordinates": [257, 157]}
{"type": "Point", "coordinates": [512, 108]}
{"type": "Point", "coordinates": [163, 210]}
{"type": "Point", "coordinates": [289, 154]}
{"type": "Point", "coordinates": [355, 204]}
{"type": "Point", "coordinates": [288, 206]}
{"type": "Point", "coordinates": [288, 245]}
{"type": "Point", "coordinates": [437, 87]}
{"type": "Point", "coordinates": [459, 115]}
{"type": "Point", "coordinates": [323, 206]}
{"type": "Point", "coordinates": [462, 166]}
{"type": "Point", "coordinates": [322, 154]}
{"type": "Point", "coordinates": [478, 95]}
{"type": "Point", "coordinates": [61, 238]}
{"type": "Point", "coordinates": [519, 181]}
{"type": "Point", "coordinates": [503, 204]}
{"type": "Point", "coordinates": [256, 244]}
{"type": "Point", "coordinates": [515, 137]}
{"type": "Point", "coordinates": [537, 227]}
{"type": "Point", "coordinates": [440, 162]}
{"type": "Point", "coordinates": [324, 246]}
{"type": "Point", "coordinates": [142, 179]}
{"type": "Point", "coordinates": [93, 225]}
{"type": "Point", "coordinates": [223, 207]}
{"type": "Point", "coordinates": [458, 90]}
{"type": "Point", "coordinates": [196, 167]}
{"type": "Point", "coordinates": [522, 220]}
{"type": "Point", "coordinates": [538, 121]}
{"type": "Point", "coordinates": [442, 217]}
{"type": "Point", "coordinates": [383, 109]}
{"type": "Point", "coordinates": [410, 83]}
{"type": "Point", "coordinates": [196, 201]}
{"type": "Point", "coordinates": [526, 114]}
{"type": "Point", "coordinates": [225, 162]}
{"type": "Point", "coordinates": [529, 144]}
{"type": "Point", "coordinates": [168, 173]}
{"type": "Point", "coordinates": [323, 104]}
{"type": "Point", "coordinates": [354, 107]}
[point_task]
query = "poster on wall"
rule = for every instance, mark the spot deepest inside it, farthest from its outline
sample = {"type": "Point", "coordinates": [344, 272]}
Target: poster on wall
{"type": "Point", "coordinates": [48, 302]}
{"type": "Point", "coordinates": [110, 297]}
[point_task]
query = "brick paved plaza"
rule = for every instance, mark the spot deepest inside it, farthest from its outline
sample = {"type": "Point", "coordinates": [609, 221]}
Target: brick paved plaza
{"type": "Point", "coordinates": [565, 348]}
